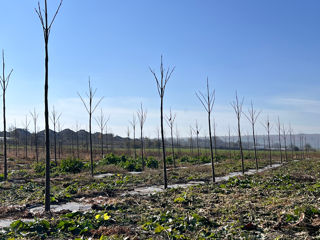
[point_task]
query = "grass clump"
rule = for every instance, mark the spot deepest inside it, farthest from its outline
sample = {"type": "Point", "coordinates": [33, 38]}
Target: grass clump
{"type": "Point", "coordinates": [71, 165]}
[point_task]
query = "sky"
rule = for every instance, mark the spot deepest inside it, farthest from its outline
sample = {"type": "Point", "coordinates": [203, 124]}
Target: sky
{"type": "Point", "coordinates": [267, 51]}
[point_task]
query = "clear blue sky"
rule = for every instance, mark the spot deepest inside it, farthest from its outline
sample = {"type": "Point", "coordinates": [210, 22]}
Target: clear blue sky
{"type": "Point", "coordinates": [267, 50]}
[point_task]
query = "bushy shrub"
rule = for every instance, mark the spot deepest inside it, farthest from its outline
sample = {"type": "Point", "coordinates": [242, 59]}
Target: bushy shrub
{"type": "Point", "coordinates": [72, 165]}
{"type": "Point", "coordinates": [88, 165]}
{"type": "Point", "coordinates": [1, 177]}
{"type": "Point", "coordinates": [129, 165]}
{"type": "Point", "coordinates": [151, 162]}
{"type": "Point", "coordinates": [169, 160]}
{"type": "Point", "coordinates": [184, 159]}
{"type": "Point", "coordinates": [205, 159]}
{"type": "Point", "coordinates": [132, 165]}
{"type": "Point", "coordinates": [123, 158]}
{"type": "Point", "coordinates": [110, 159]}
{"type": "Point", "coordinates": [39, 167]}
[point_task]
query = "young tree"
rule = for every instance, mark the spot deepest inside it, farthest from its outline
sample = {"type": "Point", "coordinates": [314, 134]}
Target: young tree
{"type": "Point", "coordinates": [215, 139]}
{"type": "Point", "coordinates": [165, 75]}
{"type": "Point", "coordinates": [142, 116]}
{"type": "Point", "coordinates": [26, 129]}
{"type": "Point", "coordinates": [55, 116]}
{"type": "Point", "coordinates": [292, 138]}
{"type": "Point", "coordinates": [158, 143]}
{"type": "Point", "coordinates": [268, 127]}
{"type": "Point", "coordinates": [237, 107]}
{"type": "Point", "coordinates": [102, 123]}
{"type": "Point", "coordinates": [4, 81]}
{"type": "Point", "coordinates": [90, 108]}
{"type": "Point", "coordinates": [16, 137]}
{"type": "Point", "coordinates": [77, 139]}
{"type": "Point", "coordinates": [229, 142]}
{"type": "Point", "coordinates": [133, 123]}
{"type": "Point", "coordinates": [252, 116]}
{"type": "Point", "coordinates": [111, 141]}
{"type": "Point", "coordinates": [34, 116]}
{"type": "Point", "coordinates": [72, 145]}
{"type": "Point", "coordinates": [191, 140]}
{"type": "Point", "coordinates": [46, 27]}
{"type": "Point", "coordinates": [284, 135]}
{"type": "Point", "coordinates": [264, 147]}
{"type": "Point", "coordinates": [208, 101]}
{"type": "Point", "coordinates": [279, 134]}
{"type": "Point", "coordinates": [170, 121]}
{"type": "Point", "coordinates": [197, 131]}
{"type": "Point", "coordinates": [177, 140]}
{"type": "Point", "coordinates": [60, 140]}
{"type": "Point", "coordinates": [301, 138]}
{"type": "Point", "coordinates": [128, 141]}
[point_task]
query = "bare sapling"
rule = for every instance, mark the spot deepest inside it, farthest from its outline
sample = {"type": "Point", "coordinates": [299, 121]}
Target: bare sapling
{"type": "Point", "coordinates": [16, 137]}
{"type": "Point", "coordinates": [77, 139]}
{"type": "Point", "coordinates": [60, 140]}
{"type": "Point", "coordinates": [268, 127]}
{"type": "Point", "coordinates": [128, 141]}
{"type": "Point", "coordinates": [170, 121]}
{"type": "Point", "coordinates": [133, 124]}
{"type": "Point", "coordinates": [90, 107]}
{"type": "Point", "coordinates": [279, 135]}
{"type": "Point", "coordinates": [55, 117]}
{"type": "Point", "coordinates": [46, 27]}
{"type": "Point", "coordinates": [4, 81]}
{"type": "Point", "coordinates": [237, 107]}
{"type": "Point", "coordinates": [26, 130]}
{"type": "Point", "coordinates": [142, 116]}
{"type": "Point", "coordinates": [284, 135]}
{"type": "Point", "coordinates": [35, 116]}
{"type": "Point", "coordinates": [292, 139]}
{"type": "Point", "coordinates": [191, 141]}
{"type": "Point", "coordinates": [215, 140]}
{"type": "Point", "coordinates": [229, 142]}
{"type": "Point", "coordinates": [197, 131]}
{"type": "Point", "coordinates": [207, 100]}
{"type": "Point", "coordinates": [158, 142]}
{"type": "Point", "coordinates": [102, 121]}
{"type": "Point", "coordinates": [161, 81]}
{"type": "Point", "coordinates": [252, 117]}
{"type": "Point", "coordinates": [178, 141]}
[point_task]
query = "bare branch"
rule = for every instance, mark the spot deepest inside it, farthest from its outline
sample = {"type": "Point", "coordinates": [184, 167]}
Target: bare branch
{"type": "Point", "coordinates": [84, 103]}
{"type": "Point", "coordinates": [97, 104]}
{"type": "Point", "coordinates": [164, 78]}
{"type": "Point", "coordinates": [202, 100]}
{"type": "Point", "coordinates": [208, 100]}
{"type": "Point", "coordinates": [54, 17]}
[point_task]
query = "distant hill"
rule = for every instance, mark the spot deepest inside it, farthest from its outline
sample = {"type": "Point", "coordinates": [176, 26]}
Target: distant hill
{"type": "Point", "coordinates": [68, 137]}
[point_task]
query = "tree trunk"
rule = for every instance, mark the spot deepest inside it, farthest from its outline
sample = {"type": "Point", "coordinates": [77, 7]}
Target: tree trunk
{"type": "Point", "coordinates": [134, 143]}
{"type": "Point", "coordinates": [255, 148]}
{"type": "Point", "coordinates": [4, 133]}
{"type": "Point", "coordinates": [55, 144]}
{"type": "Point", "coordinates": [269, 144]}
{"type": "Point", "coordinates": [142, 159]}
{"type": "Point", "coordinates": [211, 149]}
{"type": "Point", "coordinates": [90, 141]}
{"type": "Point", "coordinates": [46, 117]}
{"type": "Point", "coordinates": [240, 146]}
{"type": "Point", "coordinates": [280, 147]}
{"type": "Point", "coordinates": [198, 147]}
{"type": "Point", "coordinates": [165, 179]}
{"type": "Point", "coordinates": [172, 148]}
{"type": "Point", "coordinates": [78, 154]}
{"type": "Point", "coordinates": [102, 143]}
{"type": "Point", "coordinates": [36, 144]}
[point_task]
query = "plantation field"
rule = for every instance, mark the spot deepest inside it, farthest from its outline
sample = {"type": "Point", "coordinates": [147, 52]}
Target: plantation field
{"type": "Point", "coordinates": [123, 202]}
